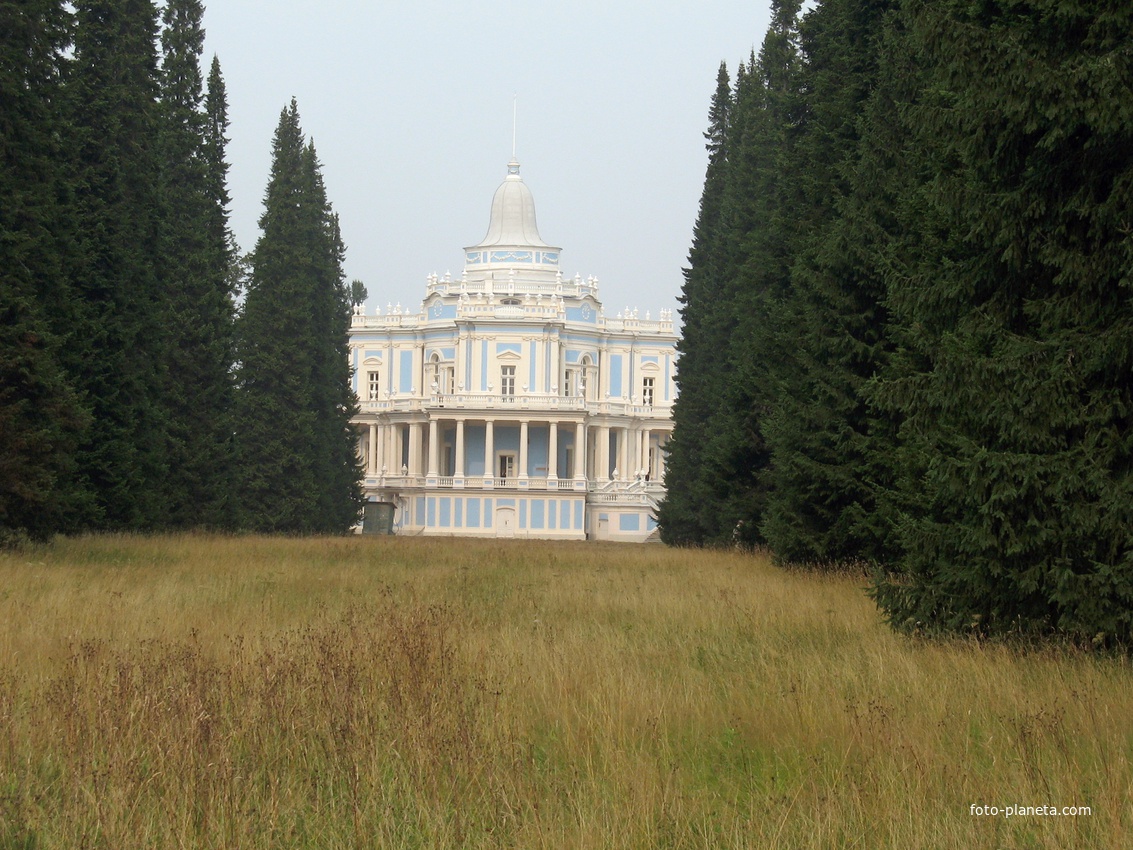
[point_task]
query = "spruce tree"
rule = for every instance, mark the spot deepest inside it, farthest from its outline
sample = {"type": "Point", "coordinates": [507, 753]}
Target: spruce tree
{"type": "Point", "coordinates": [196, 278]}
{"type": "Point", "coordinates": [298, 461]}
{"type": "Point", "coordinates": [1010, 286]}
{"type": "Point", "coordinates": [41, 416]}
{"type": "Point", "coordinates": [831, 454]}
{"type": "Point", "coordinates": [681, 515]}
{"type": "Point", "coordinates": [116, 329]}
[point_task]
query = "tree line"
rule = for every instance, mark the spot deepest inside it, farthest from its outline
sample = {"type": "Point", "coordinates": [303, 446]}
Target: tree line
{"type": "Point", "coordinates": [907, 321]}
{"type": "Point", "coordinates": [151, 378]}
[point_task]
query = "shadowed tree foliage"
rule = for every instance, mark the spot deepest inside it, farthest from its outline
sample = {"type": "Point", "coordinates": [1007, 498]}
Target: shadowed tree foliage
{"type": "Point", "coordinates": [116, 317]}
{"type": "Point", "coordinates": [196, 272]}
{"type": "Point", "coordinates": [298, 454]}
{"type": "Point", "coordinates": [1009, 280]}
{"type": "Point", "coordinates": [41, 417]}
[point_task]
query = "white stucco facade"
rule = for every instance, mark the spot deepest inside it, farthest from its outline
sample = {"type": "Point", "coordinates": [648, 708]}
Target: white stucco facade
{"type": "Point", "coordinates": [510, 404]}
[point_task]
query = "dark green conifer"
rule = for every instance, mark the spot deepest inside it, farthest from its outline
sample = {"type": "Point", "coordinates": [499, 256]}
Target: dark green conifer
{"type": "Point", "coordinates": [1010, 284]}
{"type": "Point", "coordinates": [698, 374]}
{"type": "Point", "coordinates": [298, 456]}
{"type": "Point", "coordinates": [115, 348]}
{"type": "Point", "coordinates": [41, 416]}
{"type": "Point", "coordinates": [831, 455]}
{"type": "Point", "coordinates": [196, 277]}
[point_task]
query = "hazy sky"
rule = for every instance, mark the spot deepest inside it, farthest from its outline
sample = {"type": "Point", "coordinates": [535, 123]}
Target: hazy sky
{"type": "Point", "coordinates": [410, 108]}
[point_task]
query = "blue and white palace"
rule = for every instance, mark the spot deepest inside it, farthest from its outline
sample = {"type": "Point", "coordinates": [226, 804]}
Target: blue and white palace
{"type": "Point", "coordinates": [511, 405]}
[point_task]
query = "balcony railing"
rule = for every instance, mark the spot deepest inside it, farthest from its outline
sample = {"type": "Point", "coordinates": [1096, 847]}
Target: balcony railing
{"type": "Point", "coordinates": [523, 401]}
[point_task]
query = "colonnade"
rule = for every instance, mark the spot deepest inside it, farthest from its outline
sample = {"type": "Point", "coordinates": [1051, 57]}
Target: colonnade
{"type": "Point", "coordinates": [406, 448]}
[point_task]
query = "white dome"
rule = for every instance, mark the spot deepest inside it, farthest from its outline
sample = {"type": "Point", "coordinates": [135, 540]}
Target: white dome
{"type": "Point", "coordinates": [513, 215]}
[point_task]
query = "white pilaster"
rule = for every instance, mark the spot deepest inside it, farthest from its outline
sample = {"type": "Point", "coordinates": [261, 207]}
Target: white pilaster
{"type": "Point", "coordinates": [489, 452]}
{"type": "Point", "coordinates": [523, 452]}
{"type": "Point", "coordinates": [553, 452]}
{"type": "Point", "coordinates": [433, 447]}
{"type": "Point", "coordinates": [459, 471]}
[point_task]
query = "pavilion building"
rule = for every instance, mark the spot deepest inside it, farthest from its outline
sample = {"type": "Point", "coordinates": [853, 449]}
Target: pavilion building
{"type": "Point", "coordinates": [511, 405]}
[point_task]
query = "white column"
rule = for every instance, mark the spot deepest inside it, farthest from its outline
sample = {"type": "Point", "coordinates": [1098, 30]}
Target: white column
{"type": "Point", "coordinates": [459, 471]}
{"type": "Point", "coordinates": [433, 447]}
{"type": "Point", "coordinates": [556, 367]}
{"type": "Point", "coordinates": [553, 452]}
{"type": "Point", "coordinates": [603, 453]}
{"type": "Point", "coordinates": [415, 448]}
{"type": "Point", "coordinates": [579, 452]}
{"type": "Point", "coordinates": [489, 452]}
{"type": "Point", "coordinates": [645, 452]}
{"type": "Point", "coordinates": [372, 466]}
{"type": "Point", "coordinates": [523, 450]}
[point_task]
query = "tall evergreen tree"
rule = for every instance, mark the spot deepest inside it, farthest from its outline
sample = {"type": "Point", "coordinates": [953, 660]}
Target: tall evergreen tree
{"type": "Point", "coordinates": [698, 374]}
{"type": "Point", "coordinates": [40, 414]}
{"type": "Point", "coordinates": [297, 449]}
{"type": "Point", "coordinates": [831, 454]}
{"type": "Point", "coordinates": [196, 277]}
{"type": "Point", "coordinates": [1011, 290]}
{"type": "Point", "coordinates": [115, 346]}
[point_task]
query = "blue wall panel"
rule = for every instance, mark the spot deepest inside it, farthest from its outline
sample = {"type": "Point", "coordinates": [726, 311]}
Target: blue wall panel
{"type": "Point", "coordinates": [537, 507]}
{"type": "Point", "coordinates": [615, 376]}
{"type": "Point", "coordinates": [459, 520]}
{"type": "Point", "coordinates": [578, 515]}
{"type": "Point", "coordinates": [474, 445]}
{"type": "Point", "coordinates": [446, 512]}
{"type": "Point", "coordinates": [629, 522]}
{"type": "Point", "coordinates": [564, 515]}
{"type": "Point", "coordinates": [406, 379]}
{"type": "Point", "coordinates": [537, 436]}
{"type": "Point", "coordinates": [473, 513]}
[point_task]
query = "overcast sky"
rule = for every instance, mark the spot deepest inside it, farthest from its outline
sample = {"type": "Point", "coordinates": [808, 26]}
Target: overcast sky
{"type": "Point", "coordinates": [410, 108]}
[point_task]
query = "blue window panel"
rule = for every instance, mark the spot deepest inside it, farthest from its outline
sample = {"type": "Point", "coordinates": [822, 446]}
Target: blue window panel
{"type": "Point", "coordinates": [431, 520]}
{"type": "Point", "coordinates": [616, 375]}
{"type": "Point", "coordinates": [419, 514]}
{"type": "Point", "coordinates": [578, 514]}
{"type": "Point", "coordinates": [523, 513]}
{"type": "Point", "coordinates": [406, 379]}
{"type": "Point", "coordinates": [487, 513]}
{"type": "Point", "coordinates": [473, 513]}
{"type": "Point", "coordinates": [459, 513]}
{"type": "Point", "coordinates": [564, 515]}
{"type": "Point", "coordinates": [629, 522]}
{"type": "Point", "coordinates": [537, 506]}
{"type": "Point", "coordinates": [446, 512]}
{"type": "Point", "coordinates": [552, 514]}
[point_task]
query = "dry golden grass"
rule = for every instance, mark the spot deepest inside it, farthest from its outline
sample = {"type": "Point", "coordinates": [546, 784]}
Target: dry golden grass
{"type": "Point", "coordinates": [380, 692]}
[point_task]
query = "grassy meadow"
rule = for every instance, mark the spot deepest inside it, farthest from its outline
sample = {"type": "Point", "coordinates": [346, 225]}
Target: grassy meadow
{"type": "Point", "coordinates": [228, 692]}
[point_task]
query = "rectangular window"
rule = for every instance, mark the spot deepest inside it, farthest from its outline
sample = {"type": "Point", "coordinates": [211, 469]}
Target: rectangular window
{"type": "Point", "coordinates": [372, 386]}
{"type": "Point", "coordinates": [647, 392]}
{"type": "Point", "coordinates": [507, 381]}
{"type": "Point", "coordinates": [570, 383]}
{"type": "Point", "coordinates": [507, 466]}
